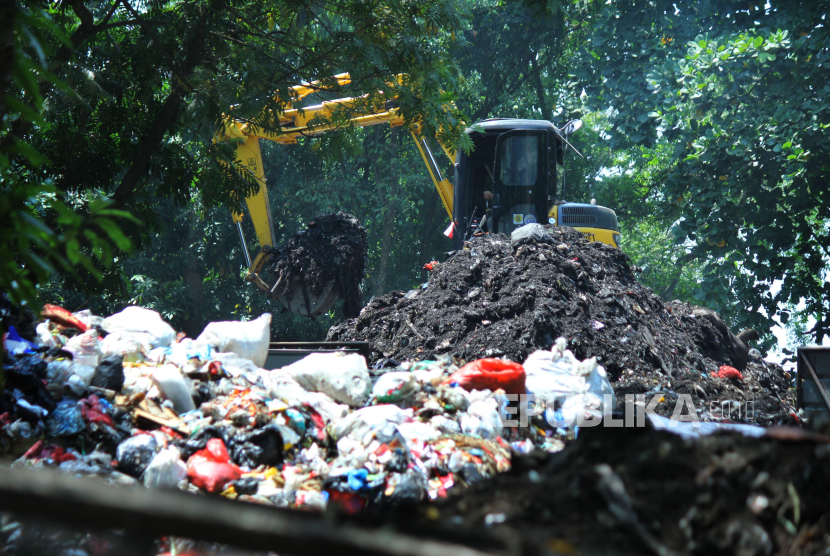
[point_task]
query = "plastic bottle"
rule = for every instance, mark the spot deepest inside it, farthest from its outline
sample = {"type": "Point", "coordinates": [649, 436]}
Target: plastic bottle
{"type": "Point", "coordinates": [86, 354]}
{"type": "Point", "coordinates": [85, 349]}
{"type": "Point", "coordinates": [174, 386]}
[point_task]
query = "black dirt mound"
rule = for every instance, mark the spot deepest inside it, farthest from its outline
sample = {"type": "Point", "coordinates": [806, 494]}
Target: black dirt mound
{"type": "Point", "coordinates": [636, 491]}
{"type": "Point", "coordinates": [494, 300]}
{"type": "Point", "coordinates": [332, 248]}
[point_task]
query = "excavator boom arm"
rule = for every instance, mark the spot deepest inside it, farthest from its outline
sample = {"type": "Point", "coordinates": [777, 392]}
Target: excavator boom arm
{"type": "Point", "coordinates": [309, 121]}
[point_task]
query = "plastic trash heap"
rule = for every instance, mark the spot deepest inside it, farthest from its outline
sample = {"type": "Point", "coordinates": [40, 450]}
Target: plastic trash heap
{"type": "Point", "coordinates": [126, 399]}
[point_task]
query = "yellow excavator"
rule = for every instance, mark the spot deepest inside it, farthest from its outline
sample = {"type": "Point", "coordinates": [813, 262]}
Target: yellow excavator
{"type": "Point", "coordinates": [513, 176]}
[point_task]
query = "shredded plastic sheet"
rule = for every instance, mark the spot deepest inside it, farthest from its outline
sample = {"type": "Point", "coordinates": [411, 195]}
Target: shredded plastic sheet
{"type": "Point", "coordinates": [694, 429]}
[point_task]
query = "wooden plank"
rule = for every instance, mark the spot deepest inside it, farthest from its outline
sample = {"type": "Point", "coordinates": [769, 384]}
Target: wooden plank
{"type": "Point", "coordinates": [89, 503]}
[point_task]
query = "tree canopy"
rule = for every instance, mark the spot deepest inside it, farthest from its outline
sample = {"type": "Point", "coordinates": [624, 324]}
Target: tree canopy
{"type": "Point", "coordinates": [733, 96]}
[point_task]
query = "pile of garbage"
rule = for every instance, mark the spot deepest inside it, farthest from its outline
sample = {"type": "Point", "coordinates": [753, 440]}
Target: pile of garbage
{"type": "Point", "coordinates": [328, 258]}
{"type": "Point", "coordinates": [507, 297]}
{"type": "Point", "coordinates": [639, 491]}
{"type": "Point", "coordinates": [127, 399]}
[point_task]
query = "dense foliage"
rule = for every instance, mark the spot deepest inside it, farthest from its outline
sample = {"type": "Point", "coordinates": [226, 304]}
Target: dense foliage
{"type": "Point", "coordinates": [733, 95]}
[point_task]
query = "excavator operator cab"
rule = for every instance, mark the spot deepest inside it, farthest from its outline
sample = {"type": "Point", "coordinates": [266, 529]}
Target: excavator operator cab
{"type": "Point", "coordinates": [515, 176]}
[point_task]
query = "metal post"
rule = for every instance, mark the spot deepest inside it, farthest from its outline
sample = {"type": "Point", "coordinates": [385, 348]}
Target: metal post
{"type": "Point", "coordinates": [822, 392]}
{"type": "Point", "coordinates": [432, 159]}
{"type": "Point", "coordinates": [244, 245]}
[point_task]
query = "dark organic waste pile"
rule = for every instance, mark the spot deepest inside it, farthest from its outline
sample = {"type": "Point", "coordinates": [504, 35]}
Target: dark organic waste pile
{"type": "Point", "coordinates": [497, 300]}
{"type": "Point", "coordinates": [634, 491]}
{"type": "Point", "coordinates": [332, 248]}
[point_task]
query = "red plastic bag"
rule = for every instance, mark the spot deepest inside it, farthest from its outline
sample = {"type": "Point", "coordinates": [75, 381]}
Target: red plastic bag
{"type": "Point", "coordinates": [490, 374]}
{"type": "Point", "coordinates": [210, 469]}
{"type": "Point", "coordinates": [61, 316]}
{"type": "Point", "coordinates": [350, 502]}
{"type": "Point", "coordinates": [92, 412]}
{"type": "Point", "coordinates": [726, 371]}
{"type": "Point", "coordinates": [40, 450]}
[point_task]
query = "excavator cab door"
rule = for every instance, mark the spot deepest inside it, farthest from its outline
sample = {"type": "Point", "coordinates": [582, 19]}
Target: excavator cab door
{"type": "Point", "coordinates": [520, 179]}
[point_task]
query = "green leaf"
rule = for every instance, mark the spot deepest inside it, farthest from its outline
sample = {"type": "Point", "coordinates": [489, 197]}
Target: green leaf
{"type": "Point", "coordinates": [37, 224]}
{"type": "Point", "coordinates": [73, 251]}
{"type": "Point", "coordinates": [41, 265]}
{"type": "Point", "coordinates": [116, 214]}
{"type": "Point", "coordinates": [114, 233]}
{"type": "Point", "coordinates": [26, 150]}
{"type": "Point", "coordinates": [26, 111]}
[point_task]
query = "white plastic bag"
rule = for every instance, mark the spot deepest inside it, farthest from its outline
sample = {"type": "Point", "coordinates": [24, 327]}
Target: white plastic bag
{"type": "Point", "coordinates": [248, 340]}
{"type": "Point", "coordinates": [482, 419]}
{"type": "Point", "coordinates": [88, 318]}
{"type": "Point", "coordinates": [234, 364]}
{"type": "Point", "coordinates": [394, 386]}
{"type": "Point", "coordinates": [454, 396]}
{"type": "Point", "coordinates": [445, 424]}
{"type": "Point", "coordinates": [166, 470]}
{"type": "Point", "coordinates": [137, 380]}
{"type": "Point", "coordinates": [44, 337]}
{"type": "Point", "coordinates": [138, 319]}
{"type": "Point", "coordinates": [59, 371]}
{"type": "Point", "coordinates": [344, 377]}
{"type": "Point", "coordinates": [86, 354]}
{"type": "Point", "coordinates": [173, 385]}
{"type": "Point", "coordinates": [368, 419]}
{"type": "Point", "coordinates": [580, 388]}
{"type": "Point", "coordinates": [417, 432]}
{"type": "Point", "coordinates": [282, 386]}
{"type": "Point", "coordinates": [132, 346]}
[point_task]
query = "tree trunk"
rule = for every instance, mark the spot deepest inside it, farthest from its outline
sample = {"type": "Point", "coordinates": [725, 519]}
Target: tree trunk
{"type": "Point", "coordinates": [389, 214]}
{"type": "Point", "coordinates": [540, 88]}
{"type": "Point", "coordinates": [193, 281]}
{"type": "Point", "coordinates": [433, 206]}
{"type": "Point", "coordinates": [668, 292]}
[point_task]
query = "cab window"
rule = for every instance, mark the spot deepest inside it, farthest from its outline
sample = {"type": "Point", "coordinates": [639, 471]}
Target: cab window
{"type": "Point", "coordinates": [519, 162]}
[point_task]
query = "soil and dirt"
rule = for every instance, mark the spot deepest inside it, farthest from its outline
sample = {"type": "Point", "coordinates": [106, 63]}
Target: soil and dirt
{"type": "Point", "coordinates": [638, 491]}
{"type": "Point", "coordinates": [497, 300]}
{"type": "Point", "coordinates": [332, 248]}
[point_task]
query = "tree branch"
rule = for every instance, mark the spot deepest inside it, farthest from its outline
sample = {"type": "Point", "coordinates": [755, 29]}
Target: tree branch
{"type": "Point", "coordinates": [168, 59]}
{"type": "Point", "coordinates": [166, 117]}
{"type": "Point", "coordinates": [110, 13]}
{"type": "Point", "coordinates": [109, 26]}
{"type": "Point", "coordinates": [540, 89]}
